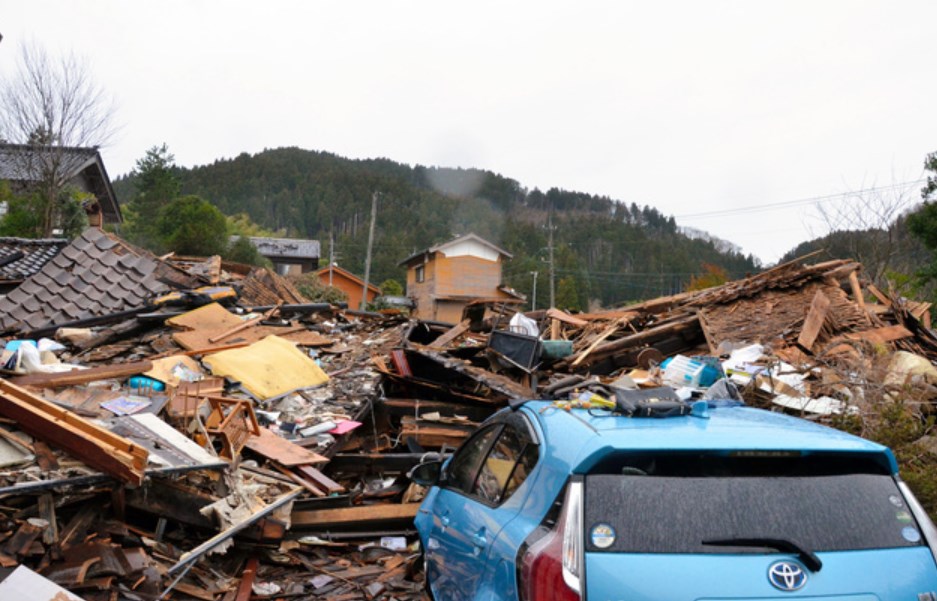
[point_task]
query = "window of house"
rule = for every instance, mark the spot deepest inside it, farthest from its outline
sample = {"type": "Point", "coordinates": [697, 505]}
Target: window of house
{"type": "Point", "coordinates": [420, 274]}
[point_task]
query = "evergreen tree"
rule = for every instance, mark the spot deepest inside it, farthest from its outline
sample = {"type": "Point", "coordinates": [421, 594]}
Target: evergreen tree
{"type": "Point", "coordinates": [190, 225]}
{"type": "Point", "coordinates": [156, 185]}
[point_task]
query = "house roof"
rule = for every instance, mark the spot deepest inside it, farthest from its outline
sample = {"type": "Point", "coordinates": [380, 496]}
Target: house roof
{"type": "Point", "coordinates": [26, 257]}
{"type": "Point", "coordinates": [349, 275]}
{"type": "Point", "coordinates": [444, 245]}
{"type": "Point", "coordinates": [25, 163]}
{"type": "Point", "coordinates": [287, 248]}
{"type": "Point", "coordinates": [97, 274]}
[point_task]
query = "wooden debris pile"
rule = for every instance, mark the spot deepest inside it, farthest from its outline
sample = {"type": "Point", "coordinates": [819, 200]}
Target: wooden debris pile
{"type": "Point", "coordinates": [232, 441]}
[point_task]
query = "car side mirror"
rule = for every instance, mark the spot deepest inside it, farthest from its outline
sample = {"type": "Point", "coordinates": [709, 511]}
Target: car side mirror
{"type": "Point", "coordinates": [427, 474]}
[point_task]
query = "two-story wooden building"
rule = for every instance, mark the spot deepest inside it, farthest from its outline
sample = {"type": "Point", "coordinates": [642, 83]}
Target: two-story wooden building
{"type": "Point", "coordinates": [443, 279]}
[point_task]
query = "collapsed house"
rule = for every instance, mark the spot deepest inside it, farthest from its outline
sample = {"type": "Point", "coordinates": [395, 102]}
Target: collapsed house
{"type": "Point", "coordinates": [198, 430]}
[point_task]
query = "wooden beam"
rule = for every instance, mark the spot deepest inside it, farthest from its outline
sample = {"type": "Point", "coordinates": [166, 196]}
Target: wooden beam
{"type": "Point", "coordinates": [83, 376]}
{"type": "Point", "coordinates": [566, 318]}
{"type": "Point", "coordinates": [362, 515]}
{"type": "Point", "coordinates": [453, 333]}
{"type": "Point", "coordinates": [96, 446]}
{"type": "Point", "coordinates": [857, 291]}
{"type": "Point", "coordinates": [320, 479]}
{"type": "Point", "coordinates": [640, 339]}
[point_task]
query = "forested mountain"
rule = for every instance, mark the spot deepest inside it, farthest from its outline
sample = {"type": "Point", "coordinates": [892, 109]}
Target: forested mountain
{"type": "Point", "coordinates": [606, 252]}
{"type": "Point", "coordinates": [885, 253]}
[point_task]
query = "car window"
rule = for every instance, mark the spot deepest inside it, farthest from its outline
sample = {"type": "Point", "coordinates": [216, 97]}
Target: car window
{"type": "Point", "coordinates": [506, 466]}
{"type": "Point", "coordinates": [464, 465]}
{"type": "Point", "coordinates": [720, 500]}
{"type": "Point", "coordinates": [521, 470]}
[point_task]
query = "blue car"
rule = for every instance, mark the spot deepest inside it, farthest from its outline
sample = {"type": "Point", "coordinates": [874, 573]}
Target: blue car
{"type": "Point", "coordinates": [544, 502]}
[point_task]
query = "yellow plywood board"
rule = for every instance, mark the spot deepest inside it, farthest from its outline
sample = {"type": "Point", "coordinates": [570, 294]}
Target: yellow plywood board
{"type": "Point", "coordinates": [210, 317]}
{"type": "Point", "coordinates": [172, 370]}
{"type": "Point", "coordinates": [269, 368]}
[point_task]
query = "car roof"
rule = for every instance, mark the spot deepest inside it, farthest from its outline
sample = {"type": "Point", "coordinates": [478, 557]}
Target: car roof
{"type": "Point", "coordinates": [581, 437]}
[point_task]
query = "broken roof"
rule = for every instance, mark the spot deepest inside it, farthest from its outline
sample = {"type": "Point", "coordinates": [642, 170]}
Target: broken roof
{"type": "Point", "coordinates": [97, 274]}
{"type": "Point", "coordinates": [461, 239]}
{"type": "Point", "coordinates": [25, 163]}
{"type": "Point", "coordinates": [292, 248]}
{"type": "Point", "coordinates": [33, 254]}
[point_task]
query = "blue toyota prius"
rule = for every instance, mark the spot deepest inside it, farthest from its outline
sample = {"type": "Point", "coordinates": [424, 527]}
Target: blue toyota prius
{"type": "Point", "coordinates": [544, 503]}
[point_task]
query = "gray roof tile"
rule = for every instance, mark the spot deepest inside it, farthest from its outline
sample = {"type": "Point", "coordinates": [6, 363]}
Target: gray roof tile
{"type": "Point", "coordinates": [97, 274]}
{"type": "Point", "coordinates": [105, 242]}
{"type": "Point", "coordinates": [35, 254]}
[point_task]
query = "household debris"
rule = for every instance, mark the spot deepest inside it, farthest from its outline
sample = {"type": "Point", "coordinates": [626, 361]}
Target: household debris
{"type": "Point", "coordinates": [216, 436]}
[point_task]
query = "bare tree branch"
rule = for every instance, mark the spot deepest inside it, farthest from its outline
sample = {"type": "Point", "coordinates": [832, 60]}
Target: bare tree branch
{"type": "Point", "coordinates": [54, 107]}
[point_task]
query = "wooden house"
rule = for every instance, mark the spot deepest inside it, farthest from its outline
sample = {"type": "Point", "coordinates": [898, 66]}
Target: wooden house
{"type": "Point", "coordinates": [25, 166]}
{"type": "Point", "coordinates": [349, 283]}
{"type": "Point", "coordinates": [290, 256]}
{"type": "Point", "coordinates": [443, 279]}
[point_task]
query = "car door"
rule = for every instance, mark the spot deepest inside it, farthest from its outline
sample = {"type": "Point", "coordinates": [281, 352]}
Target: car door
{"type": "Point", "coordinates": [468, 511]}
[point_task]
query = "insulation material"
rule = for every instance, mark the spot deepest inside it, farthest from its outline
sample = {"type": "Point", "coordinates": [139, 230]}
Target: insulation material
{"type": "Point", "coordinates": [269, 368]}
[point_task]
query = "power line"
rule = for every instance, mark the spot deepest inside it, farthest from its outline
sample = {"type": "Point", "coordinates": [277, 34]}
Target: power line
{"type": "Point", "coordinates": [795, 203]}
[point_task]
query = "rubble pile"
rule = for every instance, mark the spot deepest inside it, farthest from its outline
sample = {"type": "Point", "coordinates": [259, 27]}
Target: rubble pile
{"type": "Point", "coordinates": [183, 428]}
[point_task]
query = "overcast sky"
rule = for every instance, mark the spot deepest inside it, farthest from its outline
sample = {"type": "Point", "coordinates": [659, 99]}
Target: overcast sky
{"type": "Point", "coordinates": [690, 107]}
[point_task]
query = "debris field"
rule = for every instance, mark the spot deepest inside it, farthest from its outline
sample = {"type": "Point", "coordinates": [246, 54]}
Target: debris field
{"type": "Point", "coordinates": [185, 428]}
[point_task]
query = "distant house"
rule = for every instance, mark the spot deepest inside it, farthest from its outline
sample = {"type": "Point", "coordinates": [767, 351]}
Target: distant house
{"type": "Point", "coordinates": [444, 278]}
{"type": "Point", "coordinates": [349, 283]}
{"type": "Point", "coordinates": [290, 256]}
{"type": "Point", "coordinates": [23, 165]}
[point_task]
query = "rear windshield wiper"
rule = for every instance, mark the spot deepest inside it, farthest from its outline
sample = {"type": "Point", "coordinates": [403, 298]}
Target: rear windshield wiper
{"type": "Point", "coordinates": [808, 557]}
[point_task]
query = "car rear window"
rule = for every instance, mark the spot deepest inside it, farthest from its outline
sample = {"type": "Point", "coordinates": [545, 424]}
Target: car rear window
{"type": "Point", "coordinates": [674, 513]}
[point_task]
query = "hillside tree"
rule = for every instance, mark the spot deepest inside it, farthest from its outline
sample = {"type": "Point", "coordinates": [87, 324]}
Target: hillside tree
{"type": "Point", "coordinates": [156, 186]}
{"type": "Point", "coordinates": [190, 225]}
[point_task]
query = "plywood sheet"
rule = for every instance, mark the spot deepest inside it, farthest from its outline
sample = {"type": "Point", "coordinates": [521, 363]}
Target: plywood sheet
{"type": "Point", "coordinates": [269, 368]}
{"type": "Point", "coordinates": [276, 448]}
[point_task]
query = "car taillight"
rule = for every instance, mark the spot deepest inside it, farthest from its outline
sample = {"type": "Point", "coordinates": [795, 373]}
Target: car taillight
{"type": "Point", "coordinates": [551, 567]}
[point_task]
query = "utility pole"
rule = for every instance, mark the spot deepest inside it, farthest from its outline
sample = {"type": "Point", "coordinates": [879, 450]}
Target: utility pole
{"type": "Point", "coordinates": [367, 260]}
{"type": "Point", "coordinates": [331, 253]}
{"type": "Point", "coordinates": [552, 271]}
{"type": "Point", "coordinates": [533, 302]}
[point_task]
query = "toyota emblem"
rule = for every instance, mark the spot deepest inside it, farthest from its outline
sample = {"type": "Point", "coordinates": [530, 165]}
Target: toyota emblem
{"type": "Point", "coordinates": [787, 576]}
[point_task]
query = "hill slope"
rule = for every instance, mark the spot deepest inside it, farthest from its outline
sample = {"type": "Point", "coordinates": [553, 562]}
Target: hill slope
{"type": "Point", "coordinates": [605, 251]}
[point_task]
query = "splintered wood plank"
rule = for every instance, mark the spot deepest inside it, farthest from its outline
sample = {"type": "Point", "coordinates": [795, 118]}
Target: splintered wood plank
{"type": "Point", "coordinates": [310, 486]}
{"type": "Point", "coordinates": [813, 323]}
{"type": "Point", "coordinates": [566, 318]}
{"type": "Point", "coordinates": [616, 325]}
{"type": "Point", "coordinates": [857, 290]}
{"type": "Point", "coordinates": [363, 515]}
{"type": "Point", "coordinates": [453, 333]}
{"type": "Point", "coordinates": [276, 448]}
{"type": "Point", "coordinates": [881, 296]}
{"type": "Point", "coordinates": [247, 579]}
{"type": "Point", "coordinates": [320, 479]}
{"type": "Point", "coordinates": [881, 335]}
